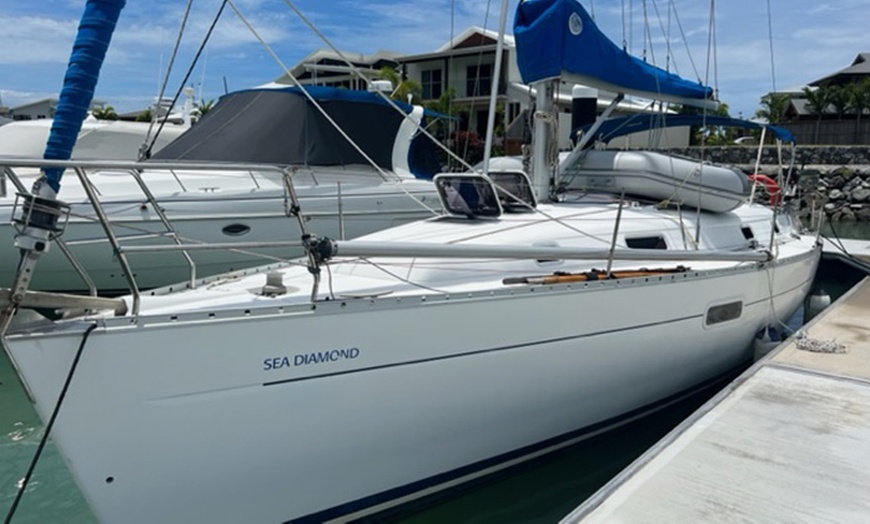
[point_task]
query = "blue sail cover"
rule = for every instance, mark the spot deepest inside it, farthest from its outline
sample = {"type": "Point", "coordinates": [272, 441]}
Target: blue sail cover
{"type": "Point", "coordinates": [89, 50]}
{"type": "Point", "coordinates": [617, 127]}
{"type": "Point", "coordinates": [557, 38]}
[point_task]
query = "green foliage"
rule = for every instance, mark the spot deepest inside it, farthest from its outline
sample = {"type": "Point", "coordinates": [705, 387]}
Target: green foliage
{"type": "Point", "coordinates": [840, 98]}
{"type": "Point", "coordinates": [773, 107]}
{"type": "Point", "coordinates": [403, 89]}
{"type": "Point", "coordinates": [859, 96]}
{"type": "Point", "coordinates": [144, 116]}
{"type": "Point", "coordinates": [202, 107]}
{"type": "Point", "coordinates": [106, 113]}
{"type": "Point", "coordinates": [709, 135]}
{"type": "Point", "coordinates": [818, 100]}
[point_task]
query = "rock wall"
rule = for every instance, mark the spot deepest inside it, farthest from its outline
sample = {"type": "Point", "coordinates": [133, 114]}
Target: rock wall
{"type": "Point", "coordinates": [804, 155]}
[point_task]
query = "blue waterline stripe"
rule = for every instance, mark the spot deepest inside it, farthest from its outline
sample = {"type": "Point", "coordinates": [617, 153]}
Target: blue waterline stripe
{"type": "Point", "coordinates": [441, 478]}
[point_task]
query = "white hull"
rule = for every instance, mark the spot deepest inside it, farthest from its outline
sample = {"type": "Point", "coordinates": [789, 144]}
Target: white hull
{"type": "Point", "coordinates": [180, 412]}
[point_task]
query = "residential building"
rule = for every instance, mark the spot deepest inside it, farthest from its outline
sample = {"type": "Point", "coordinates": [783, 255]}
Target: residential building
{"type": "Point", "coordinates": [833, 125]}
{"type": "Point", "coordinates": [44, 108]}
{"type": "Point", "coordinates": [325, 67]}
{"type": "Point", "coordinates": [466, 64]}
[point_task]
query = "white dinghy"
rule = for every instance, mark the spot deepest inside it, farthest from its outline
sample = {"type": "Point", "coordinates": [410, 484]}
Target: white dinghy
{"type": "Point", "coordinates": [386, 368]}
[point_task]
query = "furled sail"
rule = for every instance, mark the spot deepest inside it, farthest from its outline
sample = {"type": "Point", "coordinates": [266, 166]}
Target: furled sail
{"type": "Point", "coordinates": [558, 39]}
{"type": "Point", "coordinates": [89, 50]}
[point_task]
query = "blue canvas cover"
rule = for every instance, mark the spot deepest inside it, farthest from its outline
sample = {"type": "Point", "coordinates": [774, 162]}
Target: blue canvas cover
{"type": "Point", "coordinates": [557, 38]}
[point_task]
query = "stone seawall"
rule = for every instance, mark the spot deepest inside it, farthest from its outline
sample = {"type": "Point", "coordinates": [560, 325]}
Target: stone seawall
{"type": "Point", "coordinates": [833, 156]}
{"type": "Point", "coordinates": [835, 178]}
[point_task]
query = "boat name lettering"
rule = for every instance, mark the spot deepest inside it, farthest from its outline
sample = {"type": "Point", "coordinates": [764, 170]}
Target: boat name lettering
{"type": "Point", "coordinates": [304, 359]}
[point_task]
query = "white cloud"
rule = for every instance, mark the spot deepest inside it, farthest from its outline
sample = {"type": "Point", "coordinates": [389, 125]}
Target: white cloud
{"type": "Point", "coordinates": [36, 39]}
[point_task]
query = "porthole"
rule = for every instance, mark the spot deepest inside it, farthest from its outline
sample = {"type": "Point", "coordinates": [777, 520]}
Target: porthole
{"type": "Point", "coordinates": [724, 313]}
{"type": "Point", "coordinates": [236, 230]}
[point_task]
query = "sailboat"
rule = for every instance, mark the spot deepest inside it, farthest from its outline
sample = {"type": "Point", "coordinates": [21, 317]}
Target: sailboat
{"type": "Point", "coordinates": [524, 319]}
{"type": "Point", "coordinates": [225, 180]}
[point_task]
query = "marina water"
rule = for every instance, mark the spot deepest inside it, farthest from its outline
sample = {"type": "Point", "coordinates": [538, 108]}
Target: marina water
{"type": "Point", "coordinates": [540, 492]}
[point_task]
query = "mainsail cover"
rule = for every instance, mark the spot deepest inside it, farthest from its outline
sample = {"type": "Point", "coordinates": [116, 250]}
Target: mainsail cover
{"type": "Point", "coordinates": [557, 38]}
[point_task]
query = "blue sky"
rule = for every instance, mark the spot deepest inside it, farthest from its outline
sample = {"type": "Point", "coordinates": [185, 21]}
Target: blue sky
{"type": "Point", "coordinates": [811, 39]}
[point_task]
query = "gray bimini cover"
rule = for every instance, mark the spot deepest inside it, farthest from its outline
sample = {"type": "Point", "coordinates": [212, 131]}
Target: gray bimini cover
{"type": "Point", "coordinates": [281, 126]}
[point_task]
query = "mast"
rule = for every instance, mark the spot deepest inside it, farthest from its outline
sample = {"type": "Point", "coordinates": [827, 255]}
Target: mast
{"type": "Point", "coordinates": [493, 94]}
{"type": "Point", "coordinates": [544, 91]}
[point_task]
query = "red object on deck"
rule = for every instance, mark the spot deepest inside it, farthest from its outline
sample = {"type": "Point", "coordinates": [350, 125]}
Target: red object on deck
{"type": "Point", "coordinates": [770, 184]}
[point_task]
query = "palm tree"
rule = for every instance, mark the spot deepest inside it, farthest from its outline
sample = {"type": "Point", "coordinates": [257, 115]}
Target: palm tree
{"type": "Point", "coordinates": [818, 100]}
{"type": "Point", "coordinates": [105, 113]}
{"type": "Point", "coordinates": [859, 102]}
{"type": "Point", "coordinates": [773, 107]}
{"type": "Point", "coordinates": [840, 97]}
{"type": "Point", "coordinates": [403, 89]}
{"type": "Point", "coordinates": [202, 107]}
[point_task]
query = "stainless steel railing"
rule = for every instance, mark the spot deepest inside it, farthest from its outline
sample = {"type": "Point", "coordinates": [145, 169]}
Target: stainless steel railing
{"type": "Point", "coordinates": [80, 167]}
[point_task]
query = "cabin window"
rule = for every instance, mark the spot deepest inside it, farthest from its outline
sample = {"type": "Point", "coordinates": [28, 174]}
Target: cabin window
{"type": "Point", "coordinates": [655, 242]}
{"type": "Point", "coordinates": [514, 191]}
{"type": "Point", "coordinates": [747, 233]}
{"type": "Point", "coordinates": [724, 313]}
{"type": "Point", "coordinates": [431, 83]}
{"type": "Point", "coordinates": [468, 195]}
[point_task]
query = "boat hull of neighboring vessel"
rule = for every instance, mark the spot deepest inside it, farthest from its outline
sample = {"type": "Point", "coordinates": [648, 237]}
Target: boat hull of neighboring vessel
{"type": "Point", "coordinates": [354, 404]}
{"type": "Point", "coordinates": [241, 214]}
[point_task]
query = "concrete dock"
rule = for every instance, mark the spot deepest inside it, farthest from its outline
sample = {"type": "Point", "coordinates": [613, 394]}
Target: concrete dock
{"type": "Point", "coordinates": [847, 248]}
{"type": "Point", "coordinates": [788, 441]}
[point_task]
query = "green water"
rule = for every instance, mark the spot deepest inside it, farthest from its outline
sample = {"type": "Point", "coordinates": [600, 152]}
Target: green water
{"type": "Point", "coordinates": [853, 230]}
{"type": "Point", "coordinates": [51, 495]}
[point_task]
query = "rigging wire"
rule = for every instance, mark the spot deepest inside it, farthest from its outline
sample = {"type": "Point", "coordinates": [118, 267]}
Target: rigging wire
{"type": "Point", "coordinates": [320, 108]}
{"type": "Point", "coordinates": [685, 41]}
{"type": "Point", "coordinates": [446, 79]}
{"type": "Point", "coordinates": [356, 71]}
{"type": "Point", "coordinates": [770, 40]}
{"type": "Point", "coordinates": [648, 34]}
{"type": "Point", "coordinates": [145, 150]}
{"type": "Point", "coordinates": [666, 32]}
{"type": "Point", "coordinates": [476, 91]}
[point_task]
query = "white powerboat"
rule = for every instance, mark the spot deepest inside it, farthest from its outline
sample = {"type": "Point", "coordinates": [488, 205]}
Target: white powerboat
{"type": "Point", "coordinates": [407, 361]}
{"type": "Point", "coordinates": [245, 151]}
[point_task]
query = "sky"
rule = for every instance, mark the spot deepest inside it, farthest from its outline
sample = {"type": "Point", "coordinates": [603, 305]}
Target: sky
{"type": "Point", "coordinates": [810, 40]}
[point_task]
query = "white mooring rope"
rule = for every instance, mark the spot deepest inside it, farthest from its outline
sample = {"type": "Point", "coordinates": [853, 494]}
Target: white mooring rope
{"type": "Point", "coordinates": [807, 343]}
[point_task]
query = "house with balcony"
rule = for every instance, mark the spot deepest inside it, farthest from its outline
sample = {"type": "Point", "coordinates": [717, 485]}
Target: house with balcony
{"type": "Point", "coordinates": [325, 67]}
{"type": "Point", "coordinates": [466, 64]}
